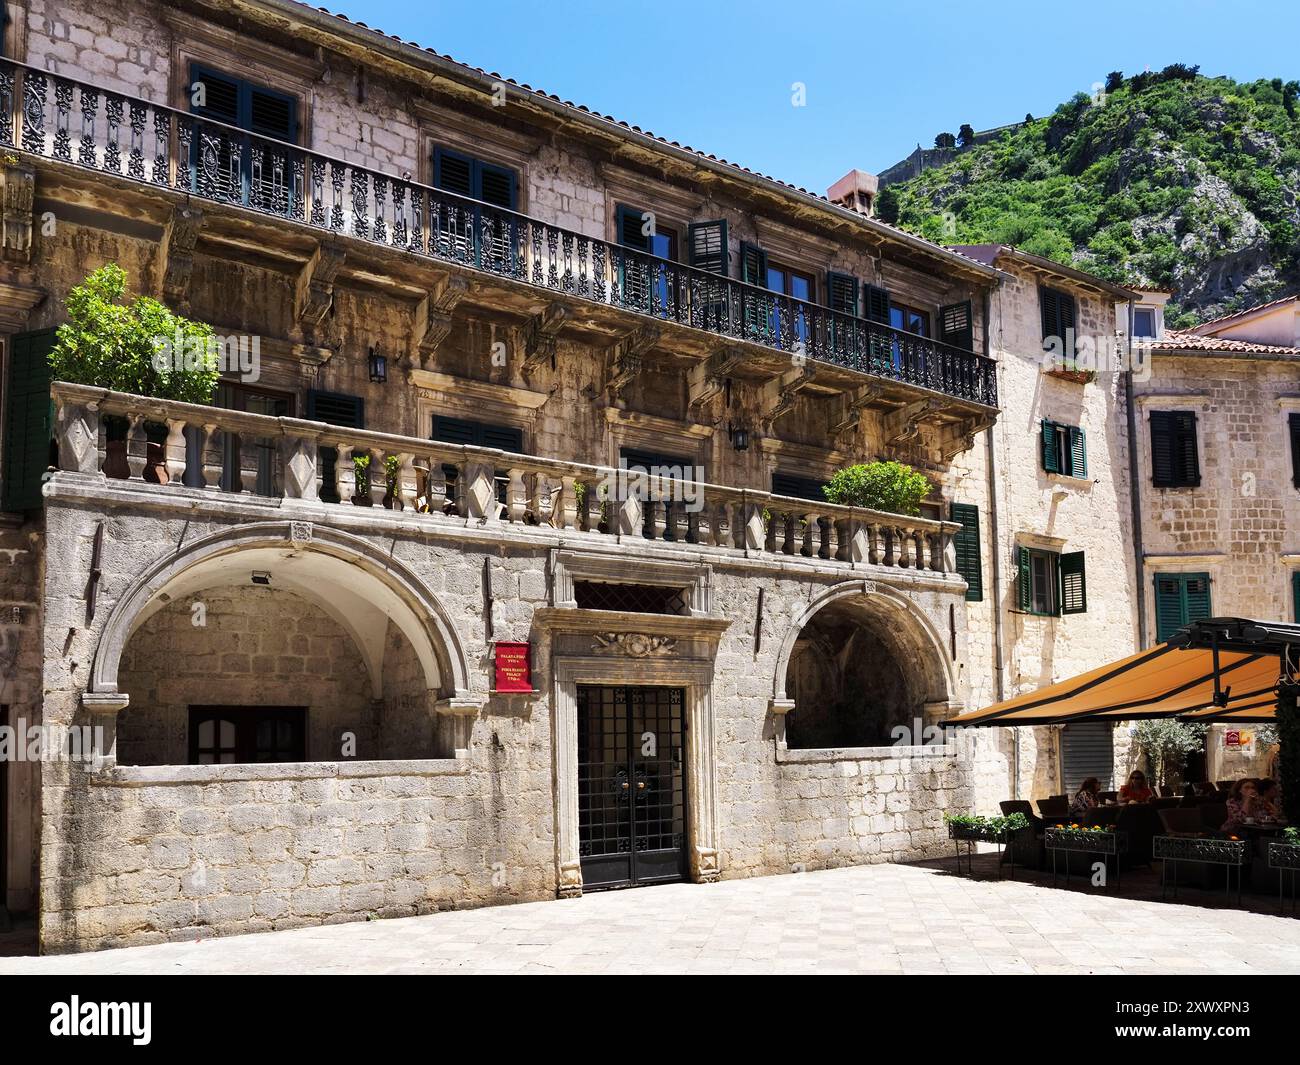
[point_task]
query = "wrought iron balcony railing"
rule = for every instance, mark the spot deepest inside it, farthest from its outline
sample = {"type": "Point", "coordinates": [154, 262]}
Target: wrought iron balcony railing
{"type": "Point", "coordinates": [229, 456]}
{"type": "Point", "coordinates": [58, 118]}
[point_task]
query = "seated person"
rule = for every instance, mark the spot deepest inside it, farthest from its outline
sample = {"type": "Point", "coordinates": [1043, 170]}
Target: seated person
{"type": "Point", "coordinates": [1085, 798]}
{"type": "Point", "coordinates": [1136, 789]}
{"type": "Point", "coordinates": [1241, 803]}
{"type": "Point", "coordinates": [1267, 805]}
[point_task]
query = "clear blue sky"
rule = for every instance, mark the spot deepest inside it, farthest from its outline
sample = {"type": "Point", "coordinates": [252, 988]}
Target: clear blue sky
{"type": "Point", "coordinates": [879, 77]}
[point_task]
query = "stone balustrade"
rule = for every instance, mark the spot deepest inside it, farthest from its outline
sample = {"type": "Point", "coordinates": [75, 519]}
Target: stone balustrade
{"type": "Point", "coordinates": [231, 454]}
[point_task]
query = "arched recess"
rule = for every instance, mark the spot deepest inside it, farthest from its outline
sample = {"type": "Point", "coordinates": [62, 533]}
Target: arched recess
{"type": "Point", "coordinates": [921, 649]}
{"type": "Point", "coordinates": [358, 585]}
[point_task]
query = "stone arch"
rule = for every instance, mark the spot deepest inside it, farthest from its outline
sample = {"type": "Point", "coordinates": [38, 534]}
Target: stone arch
{"type": "Point", "coordinates": [909, 637]}
{"type": "Point", "coordinates": [348, 577]}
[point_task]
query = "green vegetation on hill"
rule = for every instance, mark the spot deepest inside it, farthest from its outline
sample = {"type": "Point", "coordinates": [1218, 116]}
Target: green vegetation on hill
{"type": "Point", "coordinates": [1167, 179]}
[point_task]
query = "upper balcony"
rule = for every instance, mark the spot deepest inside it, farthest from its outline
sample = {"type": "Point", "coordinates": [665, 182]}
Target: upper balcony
{"type": "Point", "coordinates": [113, 141]}
{"type": "Point", "coordinates": [233, 459]}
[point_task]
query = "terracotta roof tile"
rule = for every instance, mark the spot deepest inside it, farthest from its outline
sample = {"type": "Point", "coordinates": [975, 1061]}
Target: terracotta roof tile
{"type": "Point", "coordinates": [1175, 340]}
{"type": "Point", "coordinates": [1242, 314]}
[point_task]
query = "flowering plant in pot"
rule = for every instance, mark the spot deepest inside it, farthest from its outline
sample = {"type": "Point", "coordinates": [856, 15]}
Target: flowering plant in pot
{"type": "Point", "coordinates": [141, 347]}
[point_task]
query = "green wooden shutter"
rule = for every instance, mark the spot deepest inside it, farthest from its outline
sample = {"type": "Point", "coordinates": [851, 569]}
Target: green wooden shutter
{"type": "Point", "coordinates": [453, 172]}
{"type": "Point", "coordinates": [1162, 449]}
{"type": "Point", "coordinates": [497, 185]}
{"type": "Point", "coordinates": [506, 437]}
{"type": "Point", "coordinates": [1074, 585]}
{"type": "Point", "coordinates": [956, 326]}
{"type": "Point", "coordinates": [707, 246]}
{"type": "Point", "coordinates": [842, 292]}
{"type": "Point", "coordinates": [1078, 453]}
{"type": "Point", "coordinates": [753, 265]}
{"type": "Point", "coordinates": [272, 114]}
{"type": "Point", "coordinates": [1180, 598]}
{"type": "Point", "coordinates": [966, 545]}
{"type": "Point", "coordinates": [1047, 309]}
{"type": "Point", "coordinates": [29, 420]}
{"type": "Point", "coordinates": [1293, 429]}
{"type": "Point", "coordinates": [221, 95]}
{"type": "Point", "coordinates": [1197, 592]}
{"type": "Point", "coordinates": [876, 302]}
{"type": "Point", "coordinates": [1187, 460]}
{"type": "Point", "coordinates": [1051, 456]}
{"type": "Point", "coordinates": [1295, 595]}
{"type": "Point", "coordinates": [1024, 582]}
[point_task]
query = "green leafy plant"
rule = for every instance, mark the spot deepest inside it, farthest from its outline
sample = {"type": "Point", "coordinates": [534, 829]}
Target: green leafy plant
{"type": "Point", "coordinates": [1166, 745]}
{"type": "Point", "coordinates": [127, 346]}
{"type": "Point", "coordinates": [889, 486]}
{"type": "Point", "coordinates": [1291, 836]}
{"type": "Point", "coordinates": [994, 826]}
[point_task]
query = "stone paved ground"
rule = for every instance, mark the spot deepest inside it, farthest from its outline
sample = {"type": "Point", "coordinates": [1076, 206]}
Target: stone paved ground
{"type": "Point", "coordinates": [879, 918]}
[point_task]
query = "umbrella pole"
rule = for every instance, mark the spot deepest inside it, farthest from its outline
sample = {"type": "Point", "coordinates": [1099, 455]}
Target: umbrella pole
{"type": "Point", "coordinates": [1288, 734]}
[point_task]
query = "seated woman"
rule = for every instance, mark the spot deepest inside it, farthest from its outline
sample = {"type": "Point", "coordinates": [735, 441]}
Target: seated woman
{"type": "Point", "coordinates": [1136, 789]}
{"type": "Point", "coordinates": [1241, 804]}
{"type": "Point", "coordinates": [1085, 798]}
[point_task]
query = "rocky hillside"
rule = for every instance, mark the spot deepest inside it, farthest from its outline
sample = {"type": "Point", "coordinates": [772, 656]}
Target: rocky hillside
{"type": "Point", "coordinates": [1167, 179]}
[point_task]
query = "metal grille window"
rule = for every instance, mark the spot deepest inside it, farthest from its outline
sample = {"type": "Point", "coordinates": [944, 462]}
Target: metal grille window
{"type": "Point", "coordinates": [634, 598]}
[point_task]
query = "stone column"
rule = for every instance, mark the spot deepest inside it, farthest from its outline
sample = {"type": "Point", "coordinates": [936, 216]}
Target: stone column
{"type": "Point", "coordinates": [702, 809]}
{"type": "Point", "coordinates": [564, 729]}
{"type": "Point", "coordinates": [103, 708]}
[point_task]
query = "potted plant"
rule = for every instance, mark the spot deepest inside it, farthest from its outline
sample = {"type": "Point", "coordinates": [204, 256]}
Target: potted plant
{"type": "Point", "coordinates": [888, 486]}
{"type": "Point", "coordinates": [977, 828]}
{"type": "Point", "coordinates": [140, 347]}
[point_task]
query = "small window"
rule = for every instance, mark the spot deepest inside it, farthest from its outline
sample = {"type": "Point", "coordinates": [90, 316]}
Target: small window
{"type": "Point", "coordinates": [1064, 450]}
{"type": "Point", "coordinates": [1050, 583]}
{"type": "Point", "coordinates": [1175, 462]}
{"type": "Point", "coordinates": [909, 319]}
{"type": "Point", "coordinates": [1144, 322]}
{"type": "Point", "coordinates": [635, 598]}
{"type": "Point", "coordinates": [226, 735]}
{"type": "Point", "coordinates": [797, 487]}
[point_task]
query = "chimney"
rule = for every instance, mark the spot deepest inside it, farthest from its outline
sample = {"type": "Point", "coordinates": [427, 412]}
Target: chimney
{"type": "Point", "coordinates": [856, 190]}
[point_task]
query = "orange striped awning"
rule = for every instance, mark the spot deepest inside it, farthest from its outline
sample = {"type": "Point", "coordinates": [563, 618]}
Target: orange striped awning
{"type": "Point", "coordinates": [1165, 681]}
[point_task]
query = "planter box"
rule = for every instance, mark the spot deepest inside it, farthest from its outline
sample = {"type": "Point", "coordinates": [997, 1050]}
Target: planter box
{"type": "Point", "coordinates": [1173, 850]}
{"type": "Point", "coordinates": [971, 834]}
{"type": "Point", "coordinates": [1080, 841]}
{"type": "Point", "coordinates": [1284, 855]}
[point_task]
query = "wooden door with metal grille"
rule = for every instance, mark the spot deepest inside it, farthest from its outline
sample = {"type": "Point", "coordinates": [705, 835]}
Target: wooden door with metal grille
{"type": "Point", "coordinates": [631, 785]}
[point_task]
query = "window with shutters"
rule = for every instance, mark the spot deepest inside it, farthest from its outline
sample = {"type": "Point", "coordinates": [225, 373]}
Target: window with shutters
{"type": "Point", "coordinates": [477, 434]}
{"type": "Point", "coordinates": [966, 545]}
{"type": "Point", "coordinates": [28, 420]}
{"type": "Point", "coordinates": [1181, 598]}
{"type": "Point", "coordinates": [1049, 583]}
{"type": "Point", "coordinates": [236, 171]}
{"type": "Point", "coordinates": [476, 179]}
{"type": "Point", "coordinates": [239, 454]}
{"type": "Point", "coordinates": [334, 408]}
{"type": "Point", "coordinates": [1064, 449]}
{"type": "Point", "coordinates": [1058, 318]}
{"type": "Point", "coordinates": [646, 284]}
{"type": "Point", "coordinates": [1175, 462]}
{"type": "Point", "coordinates": [797, 487]}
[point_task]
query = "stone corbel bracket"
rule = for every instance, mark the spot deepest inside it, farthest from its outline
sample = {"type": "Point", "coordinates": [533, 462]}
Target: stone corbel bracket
{"type": "Point", "coordinates": [625, 359]}
{"type": "Point", "coordinates": [855, 403]}
{"type": "Point", "coordinates": [540, 335]}
{"type": "Point", "coordinates": [959, 436]}
{"type": "Point", "coordinates": [16, 220]}
{"type": "Point", "coordinates": [314, 293]}
{"type": "Point", "coordinates": [903, 426]}
{"type": "Point", "coordinates": [433, 320]}
{"type": "Point", "coordinates": [461, 709]}
{"type": "Point", "coordinates": [708, 378]}
{"type": "Point", "coordinates": [778, 396]}
{"type": "Point", "coordinates": [175, 262]}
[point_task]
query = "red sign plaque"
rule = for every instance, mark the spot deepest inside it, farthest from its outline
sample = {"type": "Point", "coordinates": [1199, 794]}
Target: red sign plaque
{"type": "Point", "coordinates": [513, 671]}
